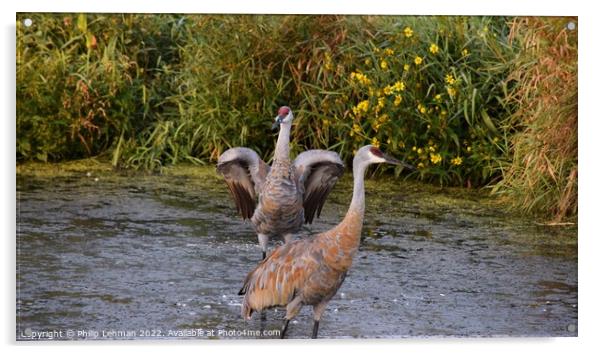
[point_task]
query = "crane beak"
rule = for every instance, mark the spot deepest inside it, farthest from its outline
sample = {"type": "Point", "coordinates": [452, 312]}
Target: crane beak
{"type": "Point", "coordinates": [408, 166]}
{"type": "Point", "coordinates": [277, 122]}
{"type": "Point", "coordinates": [390, 159]}
{"type": "Point", "coordinates": [394, 161]}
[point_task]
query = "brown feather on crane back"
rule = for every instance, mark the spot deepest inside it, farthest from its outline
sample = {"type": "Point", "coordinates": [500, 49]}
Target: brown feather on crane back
{"type": "Point", "coordinates": [303, 272]}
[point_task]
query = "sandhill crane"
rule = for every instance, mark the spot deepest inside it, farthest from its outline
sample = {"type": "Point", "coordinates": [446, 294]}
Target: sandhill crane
{"type": "Point", "coordinates": [311, 270]}
{"type": "Point", "coordinates": [278, 199]}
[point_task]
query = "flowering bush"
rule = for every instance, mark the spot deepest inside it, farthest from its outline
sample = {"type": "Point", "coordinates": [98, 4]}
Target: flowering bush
{"type": "Point", "coordinates": [433, 93]}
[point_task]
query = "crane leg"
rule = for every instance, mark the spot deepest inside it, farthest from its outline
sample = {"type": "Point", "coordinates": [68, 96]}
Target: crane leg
{"type": "Point", "coordinates": [262, 321]}
{"type": "Point", "coordinates": [263, 243]}
{"type": "Point", "coordinates": [284, 327]}
{"type": "Point", "coordinates": [292, 309]}
{"type": "Point", "coordinates": [314, 333]}
{"type": "Point", "coordinates": [318, 311]}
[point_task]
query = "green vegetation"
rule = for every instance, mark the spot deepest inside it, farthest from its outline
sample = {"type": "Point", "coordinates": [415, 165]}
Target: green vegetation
{"type": "Point", "coordinates": [452, 95]}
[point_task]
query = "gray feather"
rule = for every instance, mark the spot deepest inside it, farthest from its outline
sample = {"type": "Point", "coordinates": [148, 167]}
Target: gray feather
{"type": "Point", "coordinates": [245, 174]}
{"type": "Point", "coordinates": [318, 172]}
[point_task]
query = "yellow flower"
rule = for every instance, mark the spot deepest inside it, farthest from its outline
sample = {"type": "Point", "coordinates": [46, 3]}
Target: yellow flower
{"type": "Point", "coordinates": [383, 118]}
{"type": "Point", "coordinates": [483, 32]}
{"type": "Point", "coordinates": [387, 90]}
{"type": "Point", "coordinates": [449, 78]}
{"type": "Point", "coordinates": [413, 148]}
{"type": "Point", "coordinates": [420, 165]}
{"type": "Point", "coordinates": [419, 151]}
{"type": "Point", "coordinates": [376, 126]}
{"type": "Point", "coordinates": [397, 100]}
{"type": "Point", "coordinates": [438, 97]}
{"type": "Point", "coordinates": [456, 161]}
{"type": "Point", "coordinates": [436, 158]}
{"type": "Point", "coordinates": [465, 52]}
{"type": "Point", "coordinates": [406, 67]}
{"type": "Point", "coordinates": [361, 78]}
{"type": "Point", "coordinates": [389, 52]}
{"type": "Point", "coordinates": [357, 128]}
{"type": "Point", "coordinates": [375, 143]}
{"type": "Point", "coordinates": [367, 61]}
{"type": "Point", "coordinates": [431, 148]}
{"type": "Point", "coordinates": [434, 48]}
{"type": "Point", "coordinates": [328, 61]}
{"type": "Point", "coordinates": [384, 65]}
{"type": "Point", "coordinates": [408, 32]}
{"type": "Point", "coordinates": [468, 148]}
{"type": "Point", "coordinates": [361, 107]}
{"type": "Point", "coordinates": [380, 105]}
{"type": "Point", "coordinates": [421, 108]}
{"type": "Point", "coordinates": [418, 60]}
{"type": "Point", "coordinates": [399, 86]}
{"type": "Point", "coordinates": [451, 91]}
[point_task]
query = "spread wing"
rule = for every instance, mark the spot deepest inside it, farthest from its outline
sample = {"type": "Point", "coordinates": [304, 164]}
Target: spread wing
{"type": "Point", "coordinates": [245, 173]}
{"type": "Point", "coordinates": [276, 280]}
{"type": "Point", "coordinates": [318, 171]}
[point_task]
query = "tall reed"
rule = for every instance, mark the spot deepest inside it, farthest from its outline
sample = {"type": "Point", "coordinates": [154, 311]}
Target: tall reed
{"type": "Point", "coordinates": [542, 174]}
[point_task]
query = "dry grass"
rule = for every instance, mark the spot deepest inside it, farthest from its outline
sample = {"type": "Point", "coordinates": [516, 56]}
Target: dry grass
{"type": "Point", "coordinates": [542, 176]}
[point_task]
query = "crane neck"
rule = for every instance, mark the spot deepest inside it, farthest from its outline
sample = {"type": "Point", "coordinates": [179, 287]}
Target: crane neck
{"type": "Point", "coordinates": [357, 206]}
{"type": "Point", "coordinates": [348, 233]}
{"type": "Point", "coordinates": [282, 149]}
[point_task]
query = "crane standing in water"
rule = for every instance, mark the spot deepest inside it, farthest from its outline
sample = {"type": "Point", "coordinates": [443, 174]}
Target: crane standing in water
{"type": "Point", "coordinates": [278, 199]}
{"type": "Point", "coordinates": [311, 270]}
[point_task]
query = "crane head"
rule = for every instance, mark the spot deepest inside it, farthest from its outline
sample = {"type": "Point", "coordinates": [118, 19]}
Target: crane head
{"type": "Point", "coordinates": [285, 115]}
{"type": "Point", "coordinates": [375, 155]}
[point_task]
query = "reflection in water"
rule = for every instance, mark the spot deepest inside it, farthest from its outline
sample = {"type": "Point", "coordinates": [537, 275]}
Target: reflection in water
{"type": "Point", "coordinates": [157, 254]}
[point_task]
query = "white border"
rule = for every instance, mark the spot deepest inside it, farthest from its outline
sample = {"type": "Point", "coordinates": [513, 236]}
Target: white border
{"type": "Point", "coordinates": [407, 7]}
{"type": "Point", "coordinates": [589, 154]}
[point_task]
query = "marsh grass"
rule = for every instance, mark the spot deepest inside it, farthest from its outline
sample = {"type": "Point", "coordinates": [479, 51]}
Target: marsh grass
{"type": "Point", "coordinates": [542, 174]}
{"type": "Point", "coordinates": [452, 95]}
{"type": "Point", "coordinates": [89, 84]}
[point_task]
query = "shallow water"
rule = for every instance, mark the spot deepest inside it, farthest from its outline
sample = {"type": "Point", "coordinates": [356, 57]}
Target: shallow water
{"type": "Point", "coordinates": [115, 257]}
